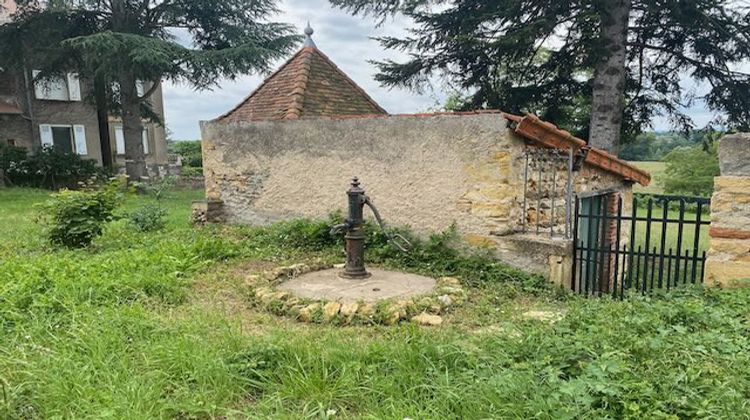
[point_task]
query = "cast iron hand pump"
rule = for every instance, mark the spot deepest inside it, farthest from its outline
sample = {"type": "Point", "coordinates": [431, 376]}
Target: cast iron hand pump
{"type": "Point", "coordinates": [355, 234]}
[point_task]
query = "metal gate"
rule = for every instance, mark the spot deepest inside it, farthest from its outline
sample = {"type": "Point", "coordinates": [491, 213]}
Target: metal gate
{"type": "Point", "coordinates": [660, 243]}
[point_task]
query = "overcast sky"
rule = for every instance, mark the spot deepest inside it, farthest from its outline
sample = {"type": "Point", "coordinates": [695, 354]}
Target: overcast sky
{"type": "Point", "coordinates": [343, 38]}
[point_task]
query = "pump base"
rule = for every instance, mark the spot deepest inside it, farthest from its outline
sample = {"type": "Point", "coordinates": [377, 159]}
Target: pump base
{"type": "Point", "coordinates": [354, 275]}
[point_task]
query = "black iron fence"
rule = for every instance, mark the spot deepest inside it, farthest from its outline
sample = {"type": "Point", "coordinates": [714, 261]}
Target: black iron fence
{"type": "Point", "coordinates": [661, 243]}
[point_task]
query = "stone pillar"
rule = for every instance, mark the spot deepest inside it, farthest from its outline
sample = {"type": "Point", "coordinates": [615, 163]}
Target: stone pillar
{"type": "Point", "coordinates": [728, 262]}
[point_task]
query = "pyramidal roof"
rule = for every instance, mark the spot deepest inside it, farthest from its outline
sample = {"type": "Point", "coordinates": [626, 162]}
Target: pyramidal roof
{"type": "Point", "coordinates": [308, 85]}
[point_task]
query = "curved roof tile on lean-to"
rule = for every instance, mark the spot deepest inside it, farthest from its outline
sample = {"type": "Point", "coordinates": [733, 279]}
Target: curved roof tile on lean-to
{"type": "Point", "coordinates": [547, 134]}
{"type": "Point", "coordinates": [308, 85]}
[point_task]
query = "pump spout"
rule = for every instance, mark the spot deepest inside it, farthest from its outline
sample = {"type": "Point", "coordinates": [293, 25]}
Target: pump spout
{"type": "Point", "coordinates": [340, 228]}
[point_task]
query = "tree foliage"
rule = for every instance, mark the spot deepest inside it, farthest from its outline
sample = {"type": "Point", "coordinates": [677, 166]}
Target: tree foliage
{"type": "Point", "coordinates": [538, 55]}
{"type": "Point", "coordinates": [190, 152]}
{"type": "Point", "coordinates": [691, 170]}
{"type": "Point", "coordinates": [654, 146]}
{"type": "Point", "coordinates": [120, 42]}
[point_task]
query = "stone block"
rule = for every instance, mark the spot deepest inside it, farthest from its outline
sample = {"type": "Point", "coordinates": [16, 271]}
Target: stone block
{"type": "Point", "coordinates": [734, 154]}
{"type": "Point", "coordinates": [560, 270]}
{"type": "Point", "coordinates": [349, 309]}
{"type": "Point", "coordinates": [479, 240]}
{"type": "Point", "coordinates": [733, 247]}
{"type": "Point", "coordinates": [307, 314]}
{"type": "Point", "coordinates": [497, 210]}
{"type": "Point", "coordinates": [207, 211]}
{"type": "Point", "coordinates": [728, 233]}
{"type": "Point", "coordinates": [427, 319]}
{"type": "Point", "coordinates": [732, 184]}
{"type": "Point", "coordinates": [330, 310]}
{"type": "Point", "coordinates": [728, 273]}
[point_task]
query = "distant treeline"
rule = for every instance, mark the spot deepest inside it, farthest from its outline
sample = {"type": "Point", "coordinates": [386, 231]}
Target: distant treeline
{"type": "Point", "coordinates": [655, 146]}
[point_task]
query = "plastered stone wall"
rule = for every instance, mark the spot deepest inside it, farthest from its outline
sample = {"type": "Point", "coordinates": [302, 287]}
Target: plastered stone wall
{"type": "Point", "coordinates": [728, 262]}
{"type": "Point", "coordinates": [426, 172]}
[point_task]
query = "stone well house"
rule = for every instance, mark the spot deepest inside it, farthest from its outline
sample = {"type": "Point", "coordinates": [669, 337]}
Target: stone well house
{"type": "Point", "coordinates": [506, 182]}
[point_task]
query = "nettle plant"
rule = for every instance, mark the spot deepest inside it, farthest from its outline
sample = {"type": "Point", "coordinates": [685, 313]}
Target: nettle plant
{"type": "Point", "coordinates": [74, 218]}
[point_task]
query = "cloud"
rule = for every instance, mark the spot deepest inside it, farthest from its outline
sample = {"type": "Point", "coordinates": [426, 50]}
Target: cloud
{"type": "Point", "coordinates": [345, 39]}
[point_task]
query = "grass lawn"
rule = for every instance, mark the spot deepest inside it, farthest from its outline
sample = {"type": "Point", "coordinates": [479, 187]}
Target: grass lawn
{"type": "Point", "coordinates": [672, 230]}
{"type": "Point", "coordinates": [158, 325]}
{"type": "Point", "coordinates": [656, 169]}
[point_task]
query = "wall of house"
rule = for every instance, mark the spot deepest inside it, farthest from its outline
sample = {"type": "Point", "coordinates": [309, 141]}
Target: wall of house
{"type": "Point", "coordinates": [41, 111]}
{"type": "Point", "coordinates": [157, 136]}
{"type": "Point", "coordinates": [15, 129]}
{"type": "Point", "coordinates": [426, 172]}
{"type": "Point", "coordinates": [70, 113]}
{"type": "Point", "coordinates": [26, 130]}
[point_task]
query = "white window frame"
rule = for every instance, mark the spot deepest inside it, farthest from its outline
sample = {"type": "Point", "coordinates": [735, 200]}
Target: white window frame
{"type": "Point", "coordinates": [61, 88]}
{"type": "Point", "coordinates": [120, 140]}
{"type": "Point", "coordinates": [144, 140]}
{"type": "Point", "coordinates": [77, 137]}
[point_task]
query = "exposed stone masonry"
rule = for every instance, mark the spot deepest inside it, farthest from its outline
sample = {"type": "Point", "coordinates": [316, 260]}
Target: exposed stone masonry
{"type": "Point", "coordinates": [728, 261]}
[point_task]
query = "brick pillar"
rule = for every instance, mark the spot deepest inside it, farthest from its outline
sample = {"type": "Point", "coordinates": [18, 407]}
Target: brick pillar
{"type": "Point", "coordinates": [728, 262]}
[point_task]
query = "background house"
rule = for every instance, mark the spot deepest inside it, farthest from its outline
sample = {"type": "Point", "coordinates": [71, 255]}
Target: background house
{"type": "Point", "coordinates": [58, 111]}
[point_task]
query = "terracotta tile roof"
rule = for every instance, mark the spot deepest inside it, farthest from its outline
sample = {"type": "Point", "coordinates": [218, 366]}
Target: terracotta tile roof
{"type": "Point", "coordinates": [308, 85]}
{"type": "Point", "coordinates": [531, 127]}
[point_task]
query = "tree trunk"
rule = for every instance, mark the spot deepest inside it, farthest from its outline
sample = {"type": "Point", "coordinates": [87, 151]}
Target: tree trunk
{"type": "Point", "coordinates": [609, 77]}
{"type": "Point", "coordinates": [102, 113]}
{"type": "Point", "coordinates": [132, 128]}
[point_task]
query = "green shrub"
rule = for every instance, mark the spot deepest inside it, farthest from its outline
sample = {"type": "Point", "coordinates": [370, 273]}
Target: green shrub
{"type": "Point", "coordinates": [190, 171]}
{"type": "Point", "coordinates": [691, 171]}
{"type": "Point", "coordinates": [74, 218]}
{"type": "Point", "coordinates": [48, 168]}
{"type": "Point", "coordinates": [190, 152]}
{"type": "Point", "coordinates": [148, 218]}
{"type": "Point", "coordinates": [441, 255]}
{"type": "Point", "coordinates": [10, 158]}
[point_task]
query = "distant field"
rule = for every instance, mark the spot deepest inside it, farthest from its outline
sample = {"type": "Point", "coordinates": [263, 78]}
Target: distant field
{"type": "Point", "coordinates": [656, 169]}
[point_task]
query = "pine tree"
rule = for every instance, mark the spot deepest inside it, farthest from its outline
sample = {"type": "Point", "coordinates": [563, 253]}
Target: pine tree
{"type": "Point", "coordinates": [623, 59]}
{"type": "Point", "coordinates": [126, 41]}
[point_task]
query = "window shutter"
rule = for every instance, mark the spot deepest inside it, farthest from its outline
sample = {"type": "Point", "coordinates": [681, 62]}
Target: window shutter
{"type": "Point", "coordinates": [79, 133]}
{"type": "Point", "coordinates": [74, 87]}
{"type": "Point", "coordinates": [144, 137]}
{"type": "Point", "coordinates": [45, 133]}
{"type": "Point", "coordinates": [38, 87]}
{"type": "Point", "coordinates": [119, 140]}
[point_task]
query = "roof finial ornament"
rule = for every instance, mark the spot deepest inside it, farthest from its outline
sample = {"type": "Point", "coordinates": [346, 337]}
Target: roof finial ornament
{"type": "Point", "coordinates": [308, 32]}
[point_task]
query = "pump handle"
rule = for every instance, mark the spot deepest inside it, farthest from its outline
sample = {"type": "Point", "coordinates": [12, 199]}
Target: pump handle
{"type": "Point", "coordinates": [394, 238]}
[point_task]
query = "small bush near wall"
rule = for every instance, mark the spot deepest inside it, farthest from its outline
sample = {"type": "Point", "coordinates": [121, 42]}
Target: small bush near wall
{"type": "Point", "coordinates": [442, 255]}
{"type": "Point", "coordinates": [48, 168]}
